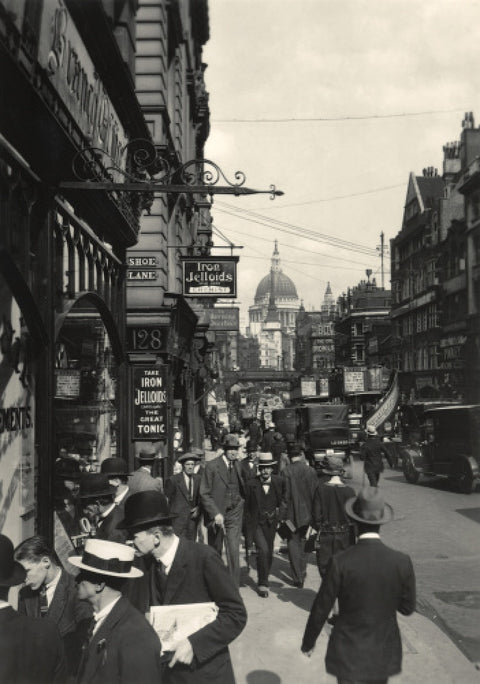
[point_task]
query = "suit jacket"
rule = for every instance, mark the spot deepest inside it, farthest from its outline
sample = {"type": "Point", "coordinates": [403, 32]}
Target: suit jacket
{"type": "Point", "coordinates": [253, 502]}
{"type": "Point", "coordinates": [108, 529]}
{"type": "Point", "coordinates": [247, 472]}
{"type": "Point", "coordinates": [142, 481]}
{"type": "Point", "coordinates": [214, 487]}
{"type": "Point", "coordinates": [199, 575]}
{"type": "Point", "coordinates": [30, 650]}
{"type": "Point", "coordinates": [300, 485]}
{"type": "Point", "coordinates": [125, 649]}
{"type": "Point", "coordinates": [178, 498]}
{"type": "Point", "coordinates": [372, 452]}
{"type": "Point", "coordinates": [69, 614]}
{"type": "Point", "coordinates": [372, 582]}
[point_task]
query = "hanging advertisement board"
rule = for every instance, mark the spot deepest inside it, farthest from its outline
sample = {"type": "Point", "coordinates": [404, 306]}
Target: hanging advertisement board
{"type": "Point", "coordinates": [354, 379]}
{"type": "Point", "coordinates": [224, 318]}
{"type": "Point", "coordinates": [149, 398]}
{"type": "Point", "coordinates": [210, 277]}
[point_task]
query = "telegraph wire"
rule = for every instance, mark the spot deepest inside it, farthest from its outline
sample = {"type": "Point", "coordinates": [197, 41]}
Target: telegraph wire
{"type": "Point", "coordinates": [366, 117]}
{"type": "Point", "coordinates": [333, 199]}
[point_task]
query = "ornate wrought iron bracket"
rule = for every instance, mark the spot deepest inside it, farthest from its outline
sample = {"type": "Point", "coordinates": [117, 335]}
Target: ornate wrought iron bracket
{"type": "Point", "coordinates": [140, 168]}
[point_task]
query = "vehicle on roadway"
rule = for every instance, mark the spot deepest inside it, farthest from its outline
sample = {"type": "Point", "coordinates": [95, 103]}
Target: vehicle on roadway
{"type": "Point", "coordinates": [448, 446]}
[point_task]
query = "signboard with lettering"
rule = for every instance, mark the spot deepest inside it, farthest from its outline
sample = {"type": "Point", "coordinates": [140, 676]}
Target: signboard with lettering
{"type": "Point", "coordinates": [148, 338]}
{"type": "Point", "coordinates": [149, 398]}
{"type": "Point", "coordinates": [354, 380]}
{"type": "Point", "coordinates": [308, 387]}
{"type": "Point", "coordinates": [210, 277]}
{"type": "Point", "coordinates": [224, 318]}
{"type": "Point", "coordinates": [67, 383]}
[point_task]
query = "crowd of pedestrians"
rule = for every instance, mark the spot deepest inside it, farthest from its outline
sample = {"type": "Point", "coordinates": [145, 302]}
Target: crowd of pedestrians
{"type": "Point", "coordinates": [143, 543]}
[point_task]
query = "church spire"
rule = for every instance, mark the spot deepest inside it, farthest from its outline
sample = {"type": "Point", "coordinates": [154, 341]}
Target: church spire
{"type": "Point", "coordinates": [276, 259]}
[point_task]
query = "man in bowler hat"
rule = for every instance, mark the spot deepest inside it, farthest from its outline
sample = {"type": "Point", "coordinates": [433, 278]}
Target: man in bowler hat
{"type": "Point", "coordinates": [183, 493]}
{"type": "Point", "coordinates": [30, 648]}
{"type": "Point", "coordinates": [372, 582]}
{"type": "Point", "coordinates": [262, 513]}
{"type": "Point", "coordinates": [142, 479]}
{"type": "Point", "coordinates": [222, 493]}
{"type": "Point", "coordinates": [97, 498]}
{"type": "Point", "coordinates": [122, 647]}
{"type": "Point", "coordinates": [117, 472]}
{"type": "Point", "coordinates": [179, 571]}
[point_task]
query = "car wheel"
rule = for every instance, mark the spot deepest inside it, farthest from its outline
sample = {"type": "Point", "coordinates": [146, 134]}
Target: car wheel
{"type": "Point", "coordinates": [465, 479]}
{"type": "Point", "coordinates": [412, 475]}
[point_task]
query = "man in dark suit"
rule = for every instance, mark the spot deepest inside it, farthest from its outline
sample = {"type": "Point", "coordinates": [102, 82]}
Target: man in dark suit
{"type": "Point", "coordinates": [142, 480]}
{"type": "Point", "coordinates": [262, 507]}
{"type": "Point", "coordinates": [178, 571]}
{"type": "Point", "coordinates": [248, 465]}
{"type": "Point", "coordinates": [300, 482]}
{"type": "Point", "coordinates": [122, 647]}
{"type": "Point", "coordinates": [51, 592]}
{"type": "Point", "coordinates": [183, 493]}
{"type": "Point", "coordinates": [222, 493]}
{"type": "Point", "coordinates": [97, 499]}
{"type": "Point", "coordinates": [372, 582]}
{"type": "Point", "coordinates": [372, 453]}
{"type": "Point", "coordinates": [30, 648]}
{"type": "Point", "coordinates": [117, 472]}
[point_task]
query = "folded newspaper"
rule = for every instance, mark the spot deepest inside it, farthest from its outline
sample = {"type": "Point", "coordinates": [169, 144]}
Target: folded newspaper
{"type": "Point", "coordinates": [174, 623]}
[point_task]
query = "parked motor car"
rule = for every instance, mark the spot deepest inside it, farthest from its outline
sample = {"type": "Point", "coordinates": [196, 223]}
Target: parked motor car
{"type": "Point", "coordinates": [449, 446]}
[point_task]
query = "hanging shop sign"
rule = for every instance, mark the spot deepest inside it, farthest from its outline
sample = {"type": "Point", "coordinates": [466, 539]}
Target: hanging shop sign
{"type": "Point", "coordinates": [224, 318]}
{"type": "Point", "coordinates": [354, 379]}
{"type": "Point", "coordinates": [149, 398]}
{"type": "Point", "coordinates": [210, 277]}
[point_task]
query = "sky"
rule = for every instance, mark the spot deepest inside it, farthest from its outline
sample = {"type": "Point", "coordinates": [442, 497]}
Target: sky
{"type": "Point", "coordinates": [334, 102]}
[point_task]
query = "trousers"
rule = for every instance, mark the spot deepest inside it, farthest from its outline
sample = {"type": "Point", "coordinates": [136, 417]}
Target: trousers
{"type": "Point", "coordinates": [232, 536]}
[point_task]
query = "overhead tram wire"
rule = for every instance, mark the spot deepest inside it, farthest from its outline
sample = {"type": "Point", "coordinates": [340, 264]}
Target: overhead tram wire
{"type": "Point", "coordinates": [366, 117]}
{"type": "Point", "coordinates": [291, 229]}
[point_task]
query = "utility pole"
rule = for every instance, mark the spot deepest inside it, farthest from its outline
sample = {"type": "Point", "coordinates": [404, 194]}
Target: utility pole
{"type": "Point", "coordinates": [381, 249]}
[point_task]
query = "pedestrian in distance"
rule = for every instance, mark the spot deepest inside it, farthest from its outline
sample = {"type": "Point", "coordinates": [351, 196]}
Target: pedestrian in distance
{"type": "Point", "coordinates": [372, 453]}
{"type": "Point", "coordinates": [179, 571]}
{"type": "Point", "coordinates": [122, 647]}
{"type": "Point", "coordinates": [97, 499]}
{"type": "Point", "coordinates": [254, 434]}
{"type": "Point", "coordinates": [371, 582]}
{"type": "Point", "coordinates": [300, 482]}
{"type": "Point", "coordinates": [142, 479]}
{"type": "Point", "coordinates": [222, 494]}
{"type": "Point", "coordinates": [117, 472]}
{"type": "Point", "coordinates": [319, 463]}
{"type": "Point", "coordinates": [30, 648]}
{"type": "Point", "coordinates": [334, 527]}
{"type": "Point", "coordinates": [183, 493]}
{"type": "Point", "coordinates": [263, 510]}
{"type": "Point", "coordinates": [50, 591]}
{"type": "Point", "coordinates": [267, 438]}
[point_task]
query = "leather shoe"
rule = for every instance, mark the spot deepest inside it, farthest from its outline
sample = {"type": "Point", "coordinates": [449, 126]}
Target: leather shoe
{"type": "Point", "coordinates": [263, 592]}
{"type": "Point", "coordinates": [298, 585]}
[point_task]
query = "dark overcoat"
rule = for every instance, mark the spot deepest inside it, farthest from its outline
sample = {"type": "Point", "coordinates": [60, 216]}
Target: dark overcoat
{"type": "Point", "coordinates": [125, 649]}
{"type": "Point", "coordinates": [198, 575]}
{"type": "Point", "coordinates": [372, 582]}
{"type": "Point", "coordinates": [69, 614]}
{"type": "Point", "coordinates": [108, 529]}
{"type": "Point", "coordinates": [31, 650]}
{"type": "Point", "coordinates": [180, 505]}
{"type": "Point", "coordinates": [300, 483]}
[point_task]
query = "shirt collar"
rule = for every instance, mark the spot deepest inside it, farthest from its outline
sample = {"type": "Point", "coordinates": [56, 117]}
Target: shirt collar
{"type": "Point", "coordinates": [107, 511]}
{"type": "Point", "coordinates": [227, 461]}
{"type": "Point", "coordinates": [4, 604]}
{"type": "Point", "coordinates": [120, 497]}
{"type": "Point", "coordinates": [169, 556]}
{"type": "Point", "coordinates": [369, 535]}
{"type": "Point", "coordinates": [55, 581]}
{"type": "Point", "coordinates": [102, 614]}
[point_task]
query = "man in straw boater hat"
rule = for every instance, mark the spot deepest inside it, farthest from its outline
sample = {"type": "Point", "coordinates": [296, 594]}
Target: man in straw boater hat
{"type": "Point", "coordinates": [262, 506]}
{"type": "Point", "coordinates": [31, 649]}
{"type": "Point", "coordinates": [122, 646]}
{"type": "Point", "coordinates": [372, 453]}
{"type": "Point", "coordinates": [179, 571]}
{"type": "Point", "coordinates": [372, 582]}
{"type": "Point", "coordinates": [183, 493]}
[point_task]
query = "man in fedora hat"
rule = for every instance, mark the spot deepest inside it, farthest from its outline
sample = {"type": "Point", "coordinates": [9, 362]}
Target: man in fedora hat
{"type": "Point", "coordinates": [300, 483]}
{"type": "Point", "coordinates": [142, 480]}
{"type": "Point", "coordinates": [262, 507]}
{"type": "Point", "coordinates": [372, 453]}
{"type": "Point", "coordinates": [179, 571]}
{"type": "Point", "coordinates": [30, 648]}
{"type": "Point", "coordinates": [183, 493]}
{"type": "Point", "coordinates": [117, 472]}
{"type": "Point", "coordinates": [51, 592]}
{"type": "Point", "coordinates": [97, 499]}
{"type": "Point", "coordinates": [222, 493]}
{"type": "Point", "coordinates": [372, 582]}
{"type": "Point", "coordinates": [123, 647]}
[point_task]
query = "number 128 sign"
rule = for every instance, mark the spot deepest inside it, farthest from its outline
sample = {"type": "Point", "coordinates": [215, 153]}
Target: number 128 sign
{"type": "Point", "coordinates": [149, 387]}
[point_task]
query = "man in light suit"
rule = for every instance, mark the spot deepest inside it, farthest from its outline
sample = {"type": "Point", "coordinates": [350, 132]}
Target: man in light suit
{"type": "Point", "coordinates": [30, 648]}
{"type": "Point", "coordinates": [179, 571]}
{"type": "Point", "coordinates": [222, 493]}
{"type": "Point", "coordinates": [51, 592]}
{"type": "Point", "coordinates": [372, 582]}
{"type": "Point", "coordinates": [183, 493]}
{"type": "Point", "coordinates": [122, 646]}
{"type": "Point", "coordinates": [142, 480]}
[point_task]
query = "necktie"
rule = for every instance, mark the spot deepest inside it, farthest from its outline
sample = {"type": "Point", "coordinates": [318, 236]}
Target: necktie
{"type": "Point", "coordinates": [161, 579]}
{"type": "Point", "coordinates": [190, 487]}
{"type": "Point", "coordinates": [43, 601]}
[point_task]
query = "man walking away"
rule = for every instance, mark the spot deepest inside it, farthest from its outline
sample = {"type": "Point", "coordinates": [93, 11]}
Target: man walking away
{"type": "Point", "coordinates": [372, 453]}
{"type": "Point", "coordinates": [30, 648]}
{"type": "Point", "coordinates": [372, 582]}
{"type": "Point", "coordinates": [142, 479]}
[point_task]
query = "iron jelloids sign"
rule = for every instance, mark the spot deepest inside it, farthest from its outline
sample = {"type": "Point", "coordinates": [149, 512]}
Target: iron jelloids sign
{"type": "Point", "coordinates": [210, 277]}
{"type": "Point", "coordinates": [149, 386]}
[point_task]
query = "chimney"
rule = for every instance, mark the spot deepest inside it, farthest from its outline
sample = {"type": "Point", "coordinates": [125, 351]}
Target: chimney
{"type": "Point", "coordinates": [451, 160]}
